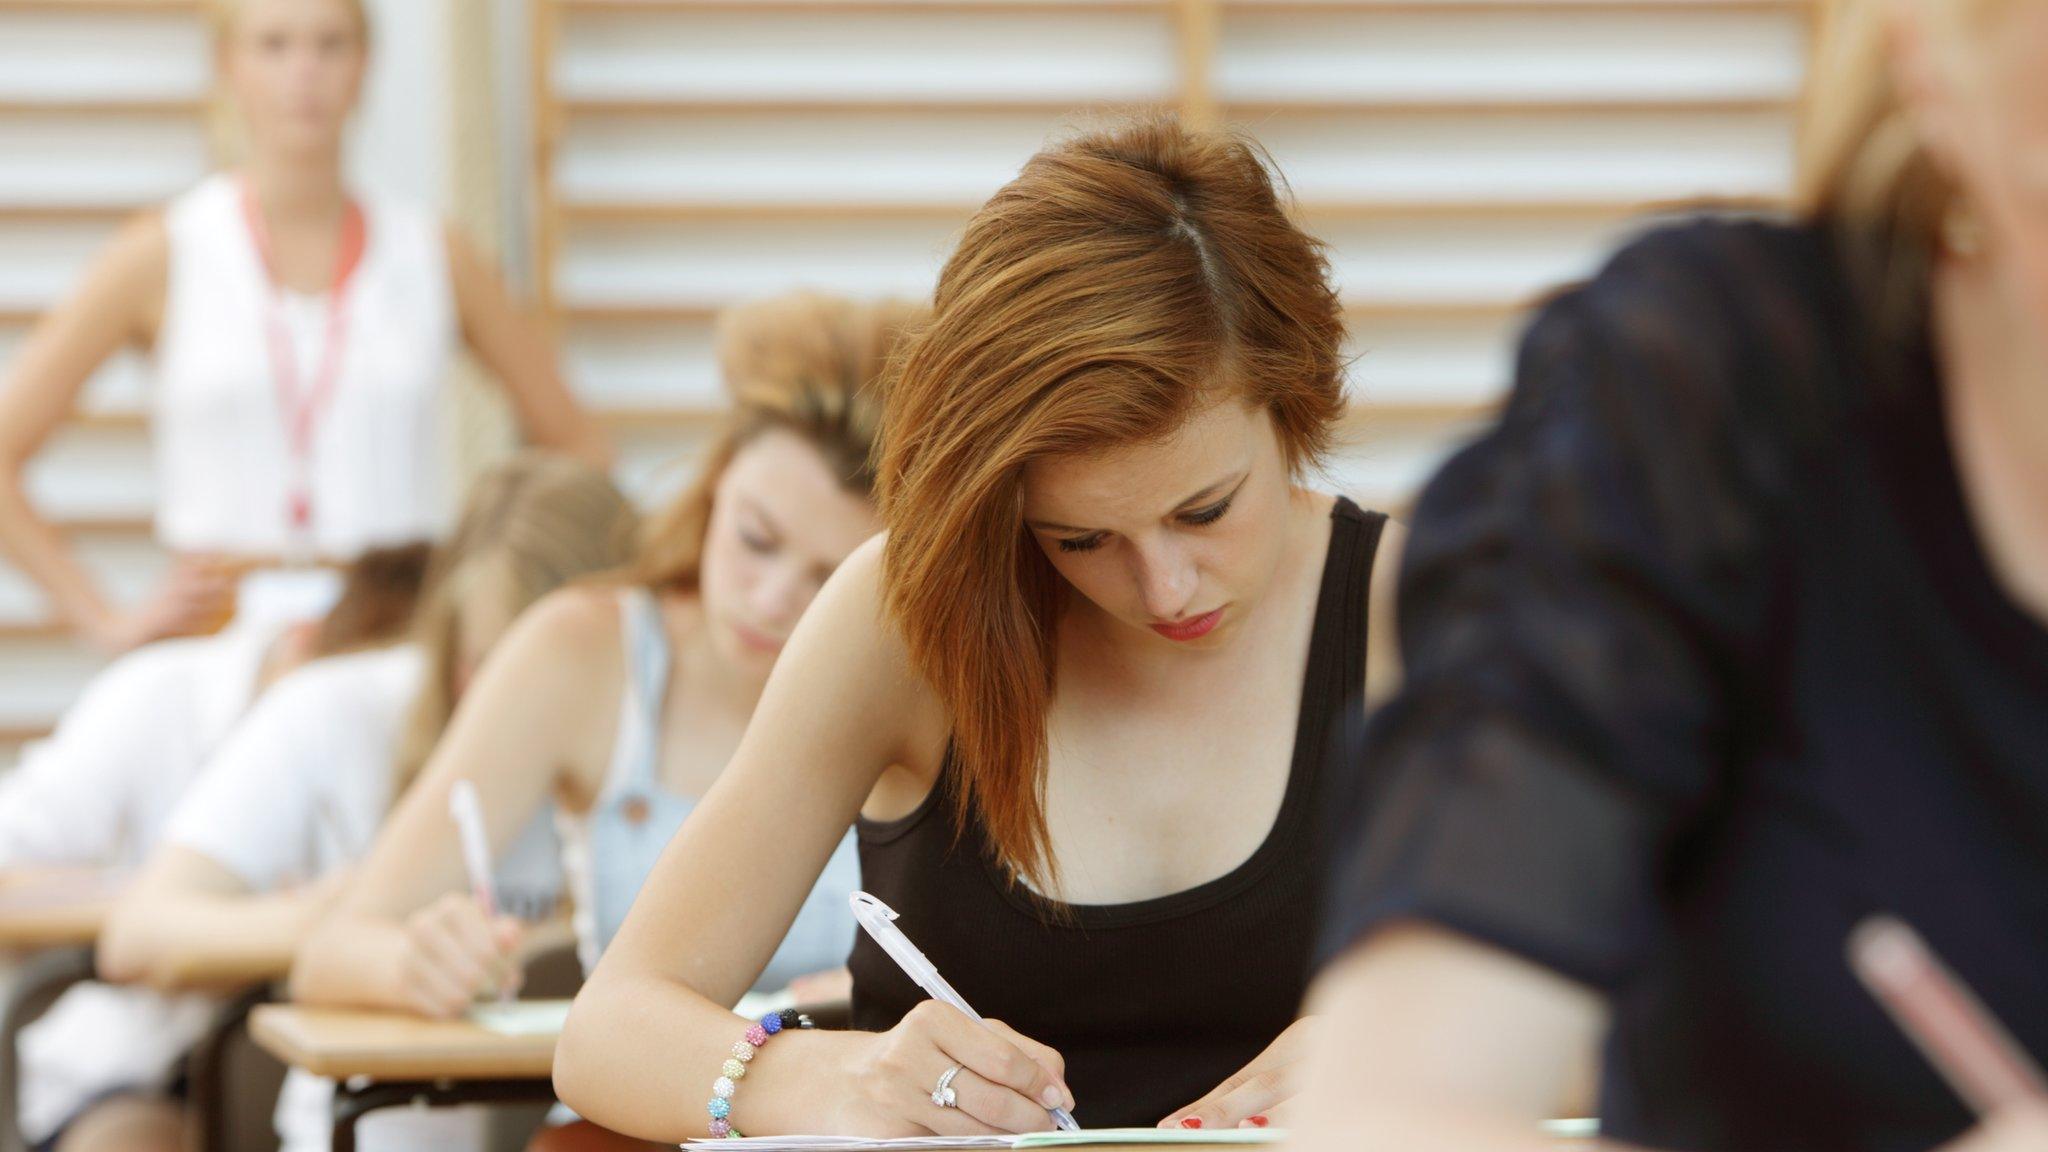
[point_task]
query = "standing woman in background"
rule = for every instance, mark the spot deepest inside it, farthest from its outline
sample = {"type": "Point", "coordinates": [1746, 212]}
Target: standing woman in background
{"type": "Point", "coordinates": [301, 333]}
{"type": "Point", "coordinates": [1733, 633]}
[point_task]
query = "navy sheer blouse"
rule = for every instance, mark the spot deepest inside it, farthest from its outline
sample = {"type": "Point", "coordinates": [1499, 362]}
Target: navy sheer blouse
{"type": "Point", "coordinates": [1705, 663]}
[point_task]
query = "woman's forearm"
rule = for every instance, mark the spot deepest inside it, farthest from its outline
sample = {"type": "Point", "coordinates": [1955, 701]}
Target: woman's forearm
{"type": "Point", "coordinates": [206, 941]}
{"type": "Point", "coordinates": [42, 553]}
{"type": "Point", "coordinates": [640, 1053]}
{"type": "Point", "coordinates": [351, 960]}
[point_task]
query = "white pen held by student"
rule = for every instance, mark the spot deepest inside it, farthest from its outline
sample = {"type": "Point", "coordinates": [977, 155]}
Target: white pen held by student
{"type": "Point", "coordinates": [468, 813]}
{"type": "Point", "coordinates": [879, 921]}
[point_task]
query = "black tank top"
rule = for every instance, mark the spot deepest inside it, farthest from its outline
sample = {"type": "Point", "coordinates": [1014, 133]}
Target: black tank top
{"type": "Point", "coordinates": [1152, 1003]}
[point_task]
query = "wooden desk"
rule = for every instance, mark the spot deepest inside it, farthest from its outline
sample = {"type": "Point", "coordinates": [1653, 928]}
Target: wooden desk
{"type": "Point", "coordinates": [55, 907]}
{"type": "Point", "coordinates": [385, 1059]}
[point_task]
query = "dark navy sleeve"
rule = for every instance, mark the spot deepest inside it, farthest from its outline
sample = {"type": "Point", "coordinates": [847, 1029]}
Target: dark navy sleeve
{"type": "Point", "coordinates": [1585, 605]}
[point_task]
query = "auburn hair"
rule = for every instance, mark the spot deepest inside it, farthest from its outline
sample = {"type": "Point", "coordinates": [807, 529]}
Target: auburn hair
{"type": "Point", "coordinates": [1125, 280]}
{"type": "Point", "coordinates": [803, 362]}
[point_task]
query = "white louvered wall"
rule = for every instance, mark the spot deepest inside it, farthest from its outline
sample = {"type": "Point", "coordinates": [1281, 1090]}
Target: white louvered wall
{"type": "Point", "coordinates": [1459, 156]}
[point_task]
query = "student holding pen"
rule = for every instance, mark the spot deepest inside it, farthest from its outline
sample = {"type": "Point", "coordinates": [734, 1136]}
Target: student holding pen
{"type": "Point", "coordinates": [1730, 636]}
{"type": "Point", "coordinates": [1076, 699]}
{"type": "Point", "coordinates": [262, 844]}
{"type": "Point", "coordinates": [97, 794]}
{"type": "Point", "coordinates": [621, 700]}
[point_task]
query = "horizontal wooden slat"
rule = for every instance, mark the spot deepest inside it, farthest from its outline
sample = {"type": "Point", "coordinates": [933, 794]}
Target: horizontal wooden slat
{"type": "Point", "coordinates": [1233, 109]}
{"type": "Point", "coordinates": [20, 631]}
{"type": "Point", "coordinates": [1430, 7]}
{"type": "Point", "coordinates": [688, 7]}
{"type": "Point", "coordinates": [15, 735]}
{"type": "Point", "coordinates": [67, 213]}
{"type": "Point", "coordinates": [1719, 105]}
{"type": "Point", "coordinates": [679, 417]}
{"type": "Point", "coordinates": [1570, 7]}
{"type": "Point", "coordinates": [627, 418]}
{"type": "Point", "coordinates": [112, 106]}
{"type": "Point", "coordinates": [104, 7]}
{"type": "Point", "coordinates": [647, 211]}
{"type": "Point", "coordinates": [1359, 309]}
{"type": "Point", "coordinates": [110, 525]}
{"type": "Point", "coordinates": [705, 105]}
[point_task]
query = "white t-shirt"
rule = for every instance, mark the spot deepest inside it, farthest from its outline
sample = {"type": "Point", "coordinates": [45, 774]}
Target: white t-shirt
{"type": "Point", "coordinates": [300, 789]}
{"type": "Point", "coordinates": [97, 792]}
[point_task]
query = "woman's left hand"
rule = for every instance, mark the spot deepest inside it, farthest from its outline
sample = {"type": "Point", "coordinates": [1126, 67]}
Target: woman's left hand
{"type": "Point", "coordinates": [1260, 1093]}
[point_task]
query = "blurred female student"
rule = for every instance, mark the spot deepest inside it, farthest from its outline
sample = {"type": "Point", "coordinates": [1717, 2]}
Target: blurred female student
{"type": "Point", "coordinates": [1732, 633]}
{"type": "Point", "coordinates": [1076, 700]}
{"type": "Point", "coordinates": [96, 795]}
{"type": "Point", "coordinates": [623, 702]}
{"type": "Point", "coordinates": [263, 842]}
{"type": "Point", "coordinates": [301, 330]}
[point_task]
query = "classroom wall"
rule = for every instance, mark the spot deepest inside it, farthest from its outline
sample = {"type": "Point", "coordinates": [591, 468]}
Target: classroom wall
{"type": "Point", "coordinates": [1460, 157]}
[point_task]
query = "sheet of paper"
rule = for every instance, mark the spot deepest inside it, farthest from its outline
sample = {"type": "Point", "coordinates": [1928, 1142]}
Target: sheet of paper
{"type": "Point", "coordinates": [848, 1142]}
{"type": "Point", "coordinates": [522, 1017]}
{"type": "Point", "coordinates": [1089, 1136]}
{"type": "Point", "coordinates": [1084, 1138]}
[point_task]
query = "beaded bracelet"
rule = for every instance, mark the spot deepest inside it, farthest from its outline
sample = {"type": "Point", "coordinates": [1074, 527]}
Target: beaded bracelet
{"type": "Point", "coordinates": [735, 1067]}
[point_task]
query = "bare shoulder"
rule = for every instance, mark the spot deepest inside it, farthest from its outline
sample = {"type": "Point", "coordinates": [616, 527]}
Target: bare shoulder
{"type": "Point", "coordinates": [129, 281]}
{"type": "Point", "coordinates": [1383, 647]}
{"type": "Point", "coordinates": [576, 626]}
{"type": "Point", "coordinates": [849, 655]}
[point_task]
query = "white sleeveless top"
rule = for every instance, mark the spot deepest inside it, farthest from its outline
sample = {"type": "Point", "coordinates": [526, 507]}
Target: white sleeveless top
{"type": "Point", "coordinates": [380, 472]}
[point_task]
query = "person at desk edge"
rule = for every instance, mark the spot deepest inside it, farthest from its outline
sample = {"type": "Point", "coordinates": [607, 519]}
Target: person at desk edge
{"type": "Point", "coordinates": [1733, 632]}
{"type": "Point", "coordinates": [1075, 700]}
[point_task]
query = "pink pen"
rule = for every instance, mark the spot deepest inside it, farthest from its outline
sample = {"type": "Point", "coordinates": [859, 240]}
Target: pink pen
{"type": "Point", "coordinates": [1951, 1027]}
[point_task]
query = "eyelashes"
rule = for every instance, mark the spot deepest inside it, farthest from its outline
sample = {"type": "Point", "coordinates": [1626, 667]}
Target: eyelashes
{"type": "Point", "coordinates": [1201, 518]}
{"type": "Point", "coordinates": [1207, 516]}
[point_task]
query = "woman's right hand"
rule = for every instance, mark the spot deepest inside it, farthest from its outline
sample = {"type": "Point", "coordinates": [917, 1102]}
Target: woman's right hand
{"type": "Point", "coordinates": [197, 596]}
{"type": "Point", "coordinates": [1006, 1083]}
{"type": "Point", "coordinates": [2020, 1128]}
{"type": "Point", "coordinates": [451, 954]}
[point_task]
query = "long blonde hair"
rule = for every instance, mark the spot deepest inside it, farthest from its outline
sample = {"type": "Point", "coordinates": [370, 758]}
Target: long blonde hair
{"type": "Point", "coordinates": [531, 525]}
{"type": "Point", "coordinates": [1864, 170]}
{"type": "Point", "coordinates": [803, 362]}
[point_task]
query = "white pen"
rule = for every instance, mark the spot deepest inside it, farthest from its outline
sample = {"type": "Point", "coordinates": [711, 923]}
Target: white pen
{"type": "Point", "coordinates": [878, 920]}
{"type": "Point", "coordinates": [468, 814]}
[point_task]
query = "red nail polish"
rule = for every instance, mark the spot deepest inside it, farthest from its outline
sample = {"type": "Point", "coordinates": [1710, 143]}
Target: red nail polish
{"type": "Point", "coordinates": [1191, 1122]}
{"type": "Point", "coordinates": [1258, 1121]}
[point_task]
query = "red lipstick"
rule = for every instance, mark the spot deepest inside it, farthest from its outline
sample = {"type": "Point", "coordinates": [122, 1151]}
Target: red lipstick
{"type": "Point", "coordinates": [1193, 628]}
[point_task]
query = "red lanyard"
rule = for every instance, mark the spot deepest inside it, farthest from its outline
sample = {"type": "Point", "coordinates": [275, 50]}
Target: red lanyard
{"type": "Point", "coordinates": [301, 409]}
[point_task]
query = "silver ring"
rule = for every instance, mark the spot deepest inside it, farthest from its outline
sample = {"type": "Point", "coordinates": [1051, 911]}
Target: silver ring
{"type": "Point", "coordinates": [943, 1095]}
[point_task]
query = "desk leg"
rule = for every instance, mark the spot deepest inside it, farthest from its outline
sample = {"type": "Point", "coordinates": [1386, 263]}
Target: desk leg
{"type": "Point", "coordinates": [352, 1103]}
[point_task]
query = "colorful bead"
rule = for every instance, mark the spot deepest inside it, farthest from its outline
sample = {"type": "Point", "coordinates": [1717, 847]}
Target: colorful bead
{"type": "Point", "coordinates": [722, 1089]}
